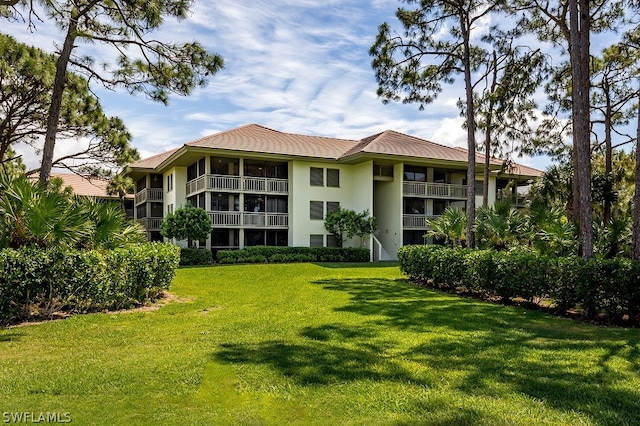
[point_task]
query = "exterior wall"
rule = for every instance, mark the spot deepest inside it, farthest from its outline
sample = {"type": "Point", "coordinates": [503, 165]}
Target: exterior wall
{"type": "Point", "coordinates": [388, 213]}
{"type": "Point", "coordinates": [355, 193]}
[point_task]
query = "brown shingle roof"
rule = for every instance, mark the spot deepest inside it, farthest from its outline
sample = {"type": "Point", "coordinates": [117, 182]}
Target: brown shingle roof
{"type": "Point", "coordinates": [256, 138]}
{"type": "Point", "coordinates": [391, 142]}
{"type": "Point", "coordinates": [260, 139]}
{"type": "Point", "coordinates": [91, 187]}
{"type": "Point", "coordinates": [153, 161]}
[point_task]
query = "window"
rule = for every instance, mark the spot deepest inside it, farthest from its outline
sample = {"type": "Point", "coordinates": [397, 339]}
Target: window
{"type": "Point", "coordinates": [332, 241]}
{"type": "Point", "coordinates": [317, 176]}
{"type": "Point", "coordinates": [222, 202]}
{"type": "Point", "coordinates": [439, 206]}
{"type": "Point", "coordinates": [316, 240]}
{"type": "Point", "coordinates": [415, 173]}
{"type": "Point", "coordinates": [277, 238]}
{"type": "Point", "coordinates": [333, 206]}
{"type": "Point", "coordinates": [170, 209]}
{"type": "Point", "coordinates": [225, 166]}
{"type": "Point", "coordinates": [413, 237]}
{"type": "Point", "coordinates": [141, 184]}
{"type": "Point", "coordinates": [414, 206]}
{"type": "Point", "coordinates": [170, 182]}
{"type": "Point", "coordinates": [333, 178]}
{"type": "Point", "coordinates": [277, 204]}
{"type": "Point", "coordinates": [269, 169]}
{"type": "Point", "coordinates": [479, 185]}
{"type": "Point", "coordinates": [316, 210]}
{"type": "Point", "coordinates": [439, 176]}
{"type": "Point", "coordinates": [254, 203]}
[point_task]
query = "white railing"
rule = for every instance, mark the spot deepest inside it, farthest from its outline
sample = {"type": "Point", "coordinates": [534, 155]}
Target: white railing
{"type": "Point", "coordinates": [237, 183]}
{"type": "Point", "coordinates": [437, 190]}
{"type": "Point", "coordinates": [259, 220]}
{"type": "Point", "coordinates": [418, 221]}
{"type": "Point", "coordinates": [225, 218]}
{"type": "Point", "coordinates": [196, 184]}
{"type": "Point", "coordinates": [149, 194]}
{"type": "Point", "coordinates": [223, 182]}
{"type": "Point", "coordinates": [150, 222]}
{"type": "Point", "coordinates": [269, 220]}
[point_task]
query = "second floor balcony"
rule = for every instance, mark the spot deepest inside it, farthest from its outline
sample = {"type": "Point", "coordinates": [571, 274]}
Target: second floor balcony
{"type": "Point", "coordinates": [151, 223]}
{"type": "Point", "coordinates": [416, 221]}
{"type": "Point", "coordinates": [149, 194]}
{"type": "Point", "coordinates": [238, 183]}
{"type": "Point", "coordinates": [223, 219]}
{"type": "Point", "coordinates": [434, 190]}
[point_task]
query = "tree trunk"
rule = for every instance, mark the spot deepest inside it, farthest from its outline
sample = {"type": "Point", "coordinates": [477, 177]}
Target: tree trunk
{"type": "Point", "coordinates": [635, 254]}
{"type": "Point", "coordinates": [56, 102]}
{"type": "Point", "coordinates": [608, 161]}
{"type": "Point", "coordinates": [580, 28]}
{"type": "Point", "coordinates": [471, 138]}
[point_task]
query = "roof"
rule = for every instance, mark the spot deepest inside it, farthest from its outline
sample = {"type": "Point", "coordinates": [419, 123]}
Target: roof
{"type": "Point", "coordinates": [153, 161]}
{"type": "Point", "coordinates": [391, 142]}
{"type": "Point", "coordinates": [91, 187]}
{"type": "Point", "coordinates": [254, 138]}
{"type": "Point", "coordinates": [257, 138]}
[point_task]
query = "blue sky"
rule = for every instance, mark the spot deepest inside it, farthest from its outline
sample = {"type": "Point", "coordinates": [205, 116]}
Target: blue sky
{"type": "Point", "coordinates": [299, 66]}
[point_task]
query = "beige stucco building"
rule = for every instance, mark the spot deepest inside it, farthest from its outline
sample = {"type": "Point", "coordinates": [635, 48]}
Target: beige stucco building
{"type": "Point", "coordinates": [265, 187]}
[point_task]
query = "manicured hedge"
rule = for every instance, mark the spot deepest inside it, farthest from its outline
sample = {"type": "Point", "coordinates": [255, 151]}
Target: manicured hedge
{"type": "Point", "coordinates": [597, 286]}
{"type": "Point", "coordinates": [195, 256]}
{"type": "Point", "coordinates": [38, 282]}
{"type": "Point", "coordinates": [271, 254]}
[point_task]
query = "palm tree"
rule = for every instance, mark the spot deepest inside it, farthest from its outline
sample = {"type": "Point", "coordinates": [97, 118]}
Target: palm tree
{"type": "Point", "coordinates": [499, 226]}
{"type": "Point", "coordinates": [450, 227]}
{"type": "Point", "coordinates": [111, 228]}
{"type": "Point", "coordinates": [31, 214]}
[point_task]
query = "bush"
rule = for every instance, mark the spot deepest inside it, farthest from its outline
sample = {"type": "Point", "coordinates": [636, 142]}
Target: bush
{"type": "Point", "coordinates": [273, 254]}
{"type": "Point", "coordinates": [597, 286]}
{"type": "Point", "coordinates": [38, 282]}
{"type": "Point", "coordinates": [193, 256]}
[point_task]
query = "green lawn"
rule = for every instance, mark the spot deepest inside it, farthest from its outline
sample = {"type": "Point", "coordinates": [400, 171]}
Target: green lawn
{"type": "Point", "coordinates": [321, 344]}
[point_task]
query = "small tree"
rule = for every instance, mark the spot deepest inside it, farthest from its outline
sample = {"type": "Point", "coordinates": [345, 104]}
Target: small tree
{"type": "Point", "coordinates": [187, 223]}
{"type": "Point", "coordinates": [364, 225]}
{"type": "Point", "coordinates": [345, 224]}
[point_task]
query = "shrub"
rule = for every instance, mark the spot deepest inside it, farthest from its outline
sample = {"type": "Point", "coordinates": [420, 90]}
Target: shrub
{"type": "Point", "coordinates": [272, 254]}
{"type": "Point", "coordinates": [38, 282]}
{"type": "Point", "coordinates": [597, 286]}
{"type": "Point", "coordinates": [193, 256]}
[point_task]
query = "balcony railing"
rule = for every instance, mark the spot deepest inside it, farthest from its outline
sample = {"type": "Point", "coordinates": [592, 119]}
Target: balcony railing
{"type": "Point", "coordinates": [435, 190]}
{"type": "Point", "coordinates": [517, 200]}
{"type": "Point", "coordinates": [225, 218]}
{"type": "Point", "coordinates": [149, 194]}
{"type": "Point", "coordinates": [416, 221]}
{"type": "Point", "coordinates": [150, 223]}
{"type": "Point", "coordinates": [246, 219]}
{"type": "Point", "coordinates": [237, 183]}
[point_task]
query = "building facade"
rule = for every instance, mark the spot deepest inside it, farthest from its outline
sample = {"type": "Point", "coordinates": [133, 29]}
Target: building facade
{"type": "Point", "coordinates": [265, 187]}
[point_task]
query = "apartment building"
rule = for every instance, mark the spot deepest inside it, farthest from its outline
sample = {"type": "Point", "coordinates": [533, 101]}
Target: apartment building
{"type": "Point", "coordinates": [265, 187]}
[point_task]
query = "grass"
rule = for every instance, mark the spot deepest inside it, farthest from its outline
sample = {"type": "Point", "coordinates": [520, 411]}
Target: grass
{"type": "Point", "coordinates": [321, 344]}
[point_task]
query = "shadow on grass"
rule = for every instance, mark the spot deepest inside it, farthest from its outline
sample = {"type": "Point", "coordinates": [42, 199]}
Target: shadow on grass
{"type": "Point", "coordinates": [482, 349]}
{"type": "Point", "coordinates": [565, 364]}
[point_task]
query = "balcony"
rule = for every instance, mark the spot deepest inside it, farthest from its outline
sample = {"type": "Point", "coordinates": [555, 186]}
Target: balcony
{"type": "Point", "coordinates": [150, 223]}
{"type": "Point", "coordinates": [434, 190]}
{"type": "Point", "coordinates": [516, 200]}
{"type": "Point", "coordinates": [416, 221]}
{"type": "Point", "coordinates": [251, 220]}
{"type": "Point", "coordinates": [149, 194]}
{"type": "Point", "coordinates": [238, 183]}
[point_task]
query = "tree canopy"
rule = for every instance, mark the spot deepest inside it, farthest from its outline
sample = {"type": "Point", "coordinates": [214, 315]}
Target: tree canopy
{"type": "Point", "coordinates": [26, 83]}
{"type": "Point", "coordinates": [143, 64]}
